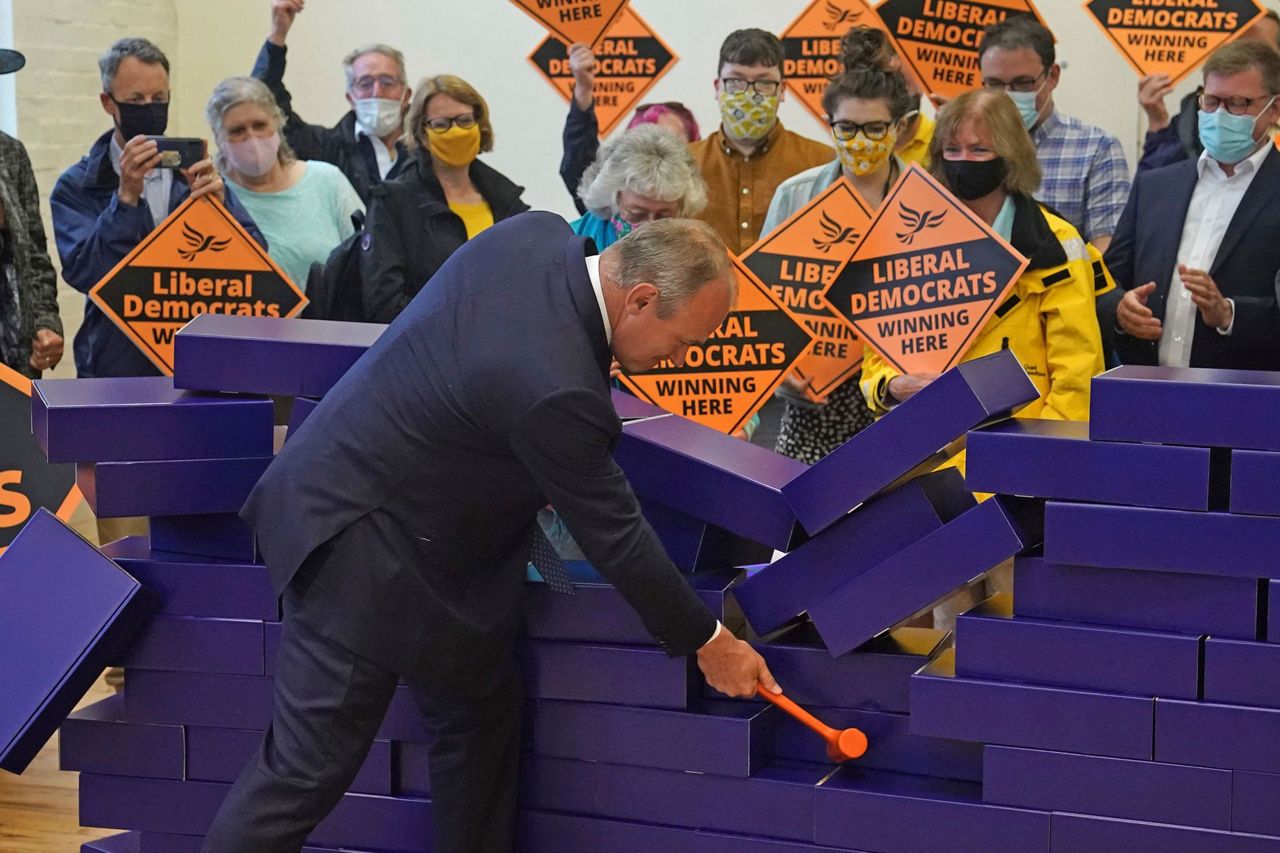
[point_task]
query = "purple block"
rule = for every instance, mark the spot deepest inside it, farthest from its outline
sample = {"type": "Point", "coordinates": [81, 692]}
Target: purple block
{"type": "Point", "coordinates": [1082, 834]}
{"type": "Point", "coordinates": [894, 813]}
{"type": "Point", "coordinates": [1255, 802]}
{"type": "Point", "coordinates": [1212, 735]}
{"type": "Point", "coordinates": [97, 740]}
{"type": "Point", "coordinates": [271, 635]}
{"type": "Point", "coordinates": [184, 487]}
{"type": "Point", "coordinates": [411, 769]}
{"type": "Point", "coordinates": [927, 570]}
{"type": "Point", "coordinates": [805, 577]}
{"type": "Point", "coordinates": [1241, 673]}
{"type": "Point", "coordinates": [159, 842]}
{"type": "Point", "coordinates": [724, 738]}
{"type": "Point", "coordinates": [198, 586]}
{"type": "Point", "coordinates": [1254, 474]}
{"type": "Point", "coordinates": [597, 612]}
{"type": "Point", "coordinates": [631, 408]}
{"type": "Point", "coordinates": [912, 438]}
{"type": "Point", "coordinates": [125, 842]}
{"type": "Point", "coordinates": [1110, 787]}
{"type": "Point", "coordinates": [614, 675]}
{"type": "Point", "coordinates": [943, 705]}
{"type": "Point", "coordinates": [403, 722]}
{"type": "Point", "coordinates": [695, 546]}
{"type": "Point", "coordinates": [542, 832]}
{"type": "Point", "coordinates": [221, 537]}
{"type": "Point", "coordinates": [1273, 611]}
{"type": "Point", "coordinates": [136, 419]}
{"type": "Point", "coordinates": [219, 755]}
{"type": "Point", "coordinates": [65, 613]}
{"type": "Point", "coordinates": [991, 644]}
{"type": "Point", "coordinates": [1151, 404]}
{"type": "Point", "coordinates": [715, 477]}
{"type": "Point", "coordinates": [1162, 540]}
{"type": "Point", "coordinates": [302, 409]}
{"type": "Point", "coordinates": [189, 644]}
{"type": "Point", "coordinates": [890, 745]}
{"type": "Point", "coordinates": [1056, 459]}
{"type": "Point", "coordinates": [198, 699]}
{"type": "Point", "coordinates": [220, 352]}
{"type": "Point", "coordinates": [1157, 601]}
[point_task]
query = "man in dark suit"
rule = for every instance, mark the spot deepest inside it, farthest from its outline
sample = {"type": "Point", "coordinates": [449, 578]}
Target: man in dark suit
{"type": "Point", "coordinates": [398, 522]}
{"type": "Point", "coordinates": [1196, 250]}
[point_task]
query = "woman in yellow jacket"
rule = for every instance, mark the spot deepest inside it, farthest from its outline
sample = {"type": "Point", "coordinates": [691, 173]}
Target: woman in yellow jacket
{"type": "Point", "coordinates": [982, 153]}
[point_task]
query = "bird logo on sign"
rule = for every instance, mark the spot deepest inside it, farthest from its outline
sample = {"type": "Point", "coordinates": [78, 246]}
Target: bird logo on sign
{"type": "Point", "coordinates": [836, 234]}
{"type": "Point", "coordinates": [198, 243]}
{"type": "Point", "coordinates": [917, 222]}
{"type": "Point", "coordinates": [838, 16]}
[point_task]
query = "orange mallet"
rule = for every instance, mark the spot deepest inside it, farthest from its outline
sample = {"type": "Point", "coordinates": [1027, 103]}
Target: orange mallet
{"type": "Point", "coordinates": [842, 745]}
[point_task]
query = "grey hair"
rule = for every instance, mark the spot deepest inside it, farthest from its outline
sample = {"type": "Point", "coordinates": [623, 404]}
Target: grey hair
{"type": "Point", "coordinates": [650, 160]}
{"type": "Point", "coordinates": [231, 93]}
{"type": "Point", "coordinates": [677, 256]}
{"type": "Point", "coordinates": [139, 48]}
{"type": "Point", "coordinates": [384, 49]}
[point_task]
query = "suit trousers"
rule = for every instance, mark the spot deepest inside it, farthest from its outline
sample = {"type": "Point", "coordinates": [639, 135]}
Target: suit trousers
{"type": "Point", "coordinates": [329, 703]}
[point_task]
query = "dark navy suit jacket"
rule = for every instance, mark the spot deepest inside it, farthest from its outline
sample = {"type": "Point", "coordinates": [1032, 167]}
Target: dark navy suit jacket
{"type": "Point", "coordinates": [1145, 248]}
{"type": "Point", "coordinates": [423, 469]}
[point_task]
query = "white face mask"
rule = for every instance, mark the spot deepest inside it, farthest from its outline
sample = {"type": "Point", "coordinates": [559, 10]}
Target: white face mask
{"type": "Point", "coordinates": [378, 116]}
{"type": "Point", "coordinates": [253, 156]}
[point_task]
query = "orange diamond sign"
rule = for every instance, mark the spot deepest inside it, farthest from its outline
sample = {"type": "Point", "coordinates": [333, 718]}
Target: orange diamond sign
{"type": "Point", "coordinates": [630, 60]}
{"type": "Point", "coordinates": [199, 261]}
{"type": "Point", "coordinates": [726, 379]}
{"type": "Point", "coordinates": [798, 261]}
{"type": "Point", "coordinates": [574, 21]}
{"type": "Point", "coordinates": [812, 47]}
{"type": "Point", "coordinates": [1173, 40]}
{"type": "Point", "coordinates": [27, 480]}
{"type": "Point", "coordinates": [925, 279]}
{"type": "Point", "coordinates": [939, 38]}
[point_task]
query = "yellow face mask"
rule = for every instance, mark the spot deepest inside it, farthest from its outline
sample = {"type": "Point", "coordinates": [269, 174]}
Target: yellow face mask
{"type": "Point", "coordinates": [862, 156]}
{"type": "Point", "coordinates": [456, 146]}
{"type": "Point", "coordinates": [748, 115]}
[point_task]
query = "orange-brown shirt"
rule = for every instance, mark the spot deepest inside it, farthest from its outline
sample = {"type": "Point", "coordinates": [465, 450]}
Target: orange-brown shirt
{"type": "Point", "coordinates": [740, 188]}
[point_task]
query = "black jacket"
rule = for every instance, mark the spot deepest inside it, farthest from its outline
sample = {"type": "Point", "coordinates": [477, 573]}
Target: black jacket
{"type": "Point", "coordinates": [411, 232]}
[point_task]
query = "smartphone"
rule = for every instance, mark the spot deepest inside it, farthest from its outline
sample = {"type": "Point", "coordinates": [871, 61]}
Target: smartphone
{"type": "Point", "coordinates": [179, 152]}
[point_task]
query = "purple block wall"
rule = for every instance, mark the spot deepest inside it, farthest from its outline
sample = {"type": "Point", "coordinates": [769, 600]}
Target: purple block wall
{"type": "Point", "coordinates": [220, 537]}
{"type": "Point", "coordinates": [198, 699]}
{"type": "Point", "coordinates": [616, 675]}
{"type": "Point", "coordinates": [182, 487]}
{"type": "Point", "coordinates": [1254, 474]}
{"type": "Point", "coordinates": [1273, 611]}
{"type": "Point", "coordinates": [1207, 734]}
{"type": "Point", "coordinates": [1083, 834]}
{"type": "Point", "coordinates": [1241, 673]}
{"type": "Point", "coordinates": [197, 586]}
{"type": "Point", "coordinates": [541, 832]}
{"type": "Point", "coordinates": [190, 644]}
{"type": "Point", "coordinates": [1255, 802]}
{"type": "Point", "coordinates": [219, 755]}
{"type": "Point", "coordinates": [96, 739]}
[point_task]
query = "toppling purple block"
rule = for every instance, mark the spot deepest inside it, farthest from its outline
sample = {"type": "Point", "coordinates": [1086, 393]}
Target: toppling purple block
{"type": "Point", "coordinates": [631, 408]}
{"type": "Point", "coordinates": [198, 586]}
{"type": "Point", "coordinates": [183, 487]}
{"type": "Point", "coordinates": [138, 419]}
{"type": "Point", "coordinates": [1082, 834]}
{"type": "Point", "coordinates": [1212, 735]}
{"type": "Point", "coordinates": [1162, 540]}
{"type": "Point", "coordinates": [1109, 787]}
{"type": "Point", "coordinates": [926, 571]}
{"type": "Point", "coordinates": [1254, 474]}
{"type": "Point", "coordinates": [894, 813]}
{"type": "Point", "coordinates": [943, 705]}
{"type": "Point", "coordinates": [66, 612]}
{"type": "Point", "coordinates": [724, 738]}
{"type": "Point", "coordinates": [219, 755]}
{"type": "Point", "coordinates": [614, 675]}
{"type": "Point", "coordinates": [715, 477]}
{"type": "Point", "coordinates": [805, 577]}
{"type": "Point", "coordinates": [696, 546]}
{"type": "Point", "coordinates": [1255, 802]}
{"type": "Point", "coordinates": [221, 352]}
{"type": "Point", "coordinates": [990, 644]}
{"type": "Point", "coordinates": [543, 832]}
{"type": "Point", "coordinates": [196, 644]}
{"type": "Point", "coordinates": [223, 536]}
{"type": "Point", "coordinates": [1056, 459]}
{"type": "Point", "coordinates": [1156, 601]}
{"type": "Point", "coordinates": [97, 740]}
{"type": "Point", "coordinates": [1241, 673]}
{"type": "Point", "coordinates": [198, 699]}
{"type": "Point", "coordinates": [1235, 408]}
{"type": "Point", "coordinates": [912, 438]}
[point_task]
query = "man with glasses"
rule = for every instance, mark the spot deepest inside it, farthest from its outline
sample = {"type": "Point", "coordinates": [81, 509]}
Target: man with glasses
{"type": "Point", "coordinates": [366, 142]}
{"type": "Point", "coordinates": [1196, 249]}
{"type": "Point", "coordinates": [1085, 176]}
{"type": "Point", "coordinates": [744, 161]}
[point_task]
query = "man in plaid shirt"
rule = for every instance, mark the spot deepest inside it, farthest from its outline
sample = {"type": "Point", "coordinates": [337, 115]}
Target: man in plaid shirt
{"type": "Point", "coordinates": [1085, 176]}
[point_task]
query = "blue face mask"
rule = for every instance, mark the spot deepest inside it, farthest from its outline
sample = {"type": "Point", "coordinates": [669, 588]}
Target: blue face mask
{"type": "Point", "coordinates": [1228, 138]}
{"type": "Point", "coordinates": [1026, 104]}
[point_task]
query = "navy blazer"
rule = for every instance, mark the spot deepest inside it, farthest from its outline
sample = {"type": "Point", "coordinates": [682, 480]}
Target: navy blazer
{"type": "Point", "coordinates": [486, 399]}
{"type": "Point", "coordinates": [1145, 248]}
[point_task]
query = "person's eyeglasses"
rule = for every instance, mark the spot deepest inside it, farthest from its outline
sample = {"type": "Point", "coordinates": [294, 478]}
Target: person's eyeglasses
{"type": "Point", "coordinates": [873, 130]}
{"type": "Point", "coordinates": [1235, 106]}
{"type": "Point", "coordinates": [465, 121]}
{"type": "Point", "coordinates": [736, 86]}
{"type": "Point", "coordinates": [1022, 84]}
{"type": "Point", "coordinates": [364, 86]}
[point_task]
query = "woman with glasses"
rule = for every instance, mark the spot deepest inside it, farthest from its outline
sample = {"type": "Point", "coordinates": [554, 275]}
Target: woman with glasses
{"type": "Point", "coordinates": [446, 197]}
{"type": "Point", "coordinates": [868, 110]}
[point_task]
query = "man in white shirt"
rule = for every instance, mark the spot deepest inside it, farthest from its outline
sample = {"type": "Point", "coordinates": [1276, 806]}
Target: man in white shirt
{"type": "Point", "coordinates": [1196, 249]}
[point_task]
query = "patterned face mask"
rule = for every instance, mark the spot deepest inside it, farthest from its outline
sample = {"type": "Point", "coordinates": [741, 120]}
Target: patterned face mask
{"type": "Point", "coordinates": [621, 227]}
{"type": "Point", "coordinates": [748, 115]}
{"type": "Point", "coordinates": [863, 156]}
